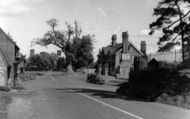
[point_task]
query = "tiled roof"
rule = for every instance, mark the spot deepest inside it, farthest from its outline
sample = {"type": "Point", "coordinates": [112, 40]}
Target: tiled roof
{"type": "Point", "coordinates": [112, 50]}
{"type": "Point", "coordinates": [11, 40]}
{"type": "Point", "coordinates": [5, 57]}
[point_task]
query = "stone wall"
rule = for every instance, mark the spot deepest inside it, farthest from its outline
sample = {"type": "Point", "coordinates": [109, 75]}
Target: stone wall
{"type": "Point", "coordinates": [3, 72]}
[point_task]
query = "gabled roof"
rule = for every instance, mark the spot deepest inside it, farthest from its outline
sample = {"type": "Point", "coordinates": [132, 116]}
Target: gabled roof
{"type": "Point", "coordinates": [113, 50]}
{"type": "Point", "coordinates": [1, 31]}
{"type": "Point", "coordinates": [5, 57]}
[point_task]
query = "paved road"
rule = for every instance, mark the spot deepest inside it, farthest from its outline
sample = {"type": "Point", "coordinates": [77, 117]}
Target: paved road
{"type": "Point", "coordinates": [70, 97]}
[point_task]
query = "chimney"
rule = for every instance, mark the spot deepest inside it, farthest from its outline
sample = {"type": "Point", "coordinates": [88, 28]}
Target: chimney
{"type": "Point", "coordinates": [143, 47]}
{"type": "Point", "coordinates": [32, 52]}
{"type": "Point", "coordinates": [113, 38]}
{"type": "Point", "coordinates": [125, 42]}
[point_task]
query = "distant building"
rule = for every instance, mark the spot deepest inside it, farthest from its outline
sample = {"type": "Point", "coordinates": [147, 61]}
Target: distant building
{"type": "Point", "coordinates": [32, 52]}
{"type": "Point", "coordinates": [9, 59]}
{"type": "Point", "coordinates": [118, 58]}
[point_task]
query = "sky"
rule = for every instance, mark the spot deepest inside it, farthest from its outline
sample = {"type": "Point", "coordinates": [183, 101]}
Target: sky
{"type": "Point", "coordinates": [25, 20]}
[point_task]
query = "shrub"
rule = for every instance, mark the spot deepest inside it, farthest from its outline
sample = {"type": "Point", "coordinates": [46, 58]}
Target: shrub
{"type": "Point", "coordinates": [150, 84]}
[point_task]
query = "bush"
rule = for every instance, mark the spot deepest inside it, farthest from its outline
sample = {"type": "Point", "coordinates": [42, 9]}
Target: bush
{"type": "Point", "coordinates": [150, 84]}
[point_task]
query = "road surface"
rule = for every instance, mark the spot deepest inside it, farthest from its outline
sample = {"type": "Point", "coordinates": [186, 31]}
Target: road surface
{"type": "Point", "coordinates": [70, 97]}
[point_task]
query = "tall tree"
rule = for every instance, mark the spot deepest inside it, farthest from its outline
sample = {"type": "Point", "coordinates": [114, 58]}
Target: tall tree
{"type": "Point", "coordinates": [66, 40]}
{"type": "Point", "coordinates": [83, 50]}
{"type": "Point", "coordinates": [173, 18]}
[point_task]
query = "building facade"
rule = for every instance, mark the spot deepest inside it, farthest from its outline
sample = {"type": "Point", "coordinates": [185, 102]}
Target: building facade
{"type": "Point", "coordinates": [9, 58]}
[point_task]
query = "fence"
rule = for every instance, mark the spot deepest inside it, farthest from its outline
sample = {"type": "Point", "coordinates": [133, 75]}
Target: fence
{"type": "Point", "coordinates": [169, 60]}
{"type": "Point", "coordinates": [169, 57]}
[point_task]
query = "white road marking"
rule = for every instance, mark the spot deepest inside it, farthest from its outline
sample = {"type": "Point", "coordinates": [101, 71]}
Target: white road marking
{"type": "Point", "coordinates": [113, 107]}
{"type": "Point", "coordinates": [103, 103]}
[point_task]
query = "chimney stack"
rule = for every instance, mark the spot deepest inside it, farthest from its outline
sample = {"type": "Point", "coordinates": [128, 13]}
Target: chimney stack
{"type": "Point", "coordinates": [114, 38]}
{"type": "Point", "coordinates": [143, 47]}
{"type": "Point", "coordinates": [125, 37]}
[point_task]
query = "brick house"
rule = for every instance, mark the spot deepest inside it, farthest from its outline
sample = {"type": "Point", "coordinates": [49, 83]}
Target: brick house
{"type": "Point", "coordinates": [9, 52]}
{"type": "Point", "coordinates": [119, 58]}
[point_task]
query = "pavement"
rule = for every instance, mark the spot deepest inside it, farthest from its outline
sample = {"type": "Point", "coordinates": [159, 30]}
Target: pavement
{"type": "Point", "coordinates": [58, 96]}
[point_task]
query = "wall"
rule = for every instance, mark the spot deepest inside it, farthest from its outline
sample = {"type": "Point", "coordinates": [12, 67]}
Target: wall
{"type": "Point", "coordinates": [133, 53]}
{"type": "Point", "coordinates": [117, 60]}
{"type": "Point", "coordinates": [9, 47]}
{"type": "Point", "coordinates": [3, 72]}
{"type": "Point", "coordinates": [169, 57]}
{"type": "Point", "coordinates": [126, 65]}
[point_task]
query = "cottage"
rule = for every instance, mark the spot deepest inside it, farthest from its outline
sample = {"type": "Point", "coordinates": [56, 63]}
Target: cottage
{"type": "Point", "coordinates": [118, 58]}
{"type": "Point", "coordinates": [9, 53]}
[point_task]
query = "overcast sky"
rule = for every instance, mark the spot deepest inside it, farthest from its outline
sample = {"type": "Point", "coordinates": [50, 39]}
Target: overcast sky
{"type": "Point", "coordinates": [25, 20]}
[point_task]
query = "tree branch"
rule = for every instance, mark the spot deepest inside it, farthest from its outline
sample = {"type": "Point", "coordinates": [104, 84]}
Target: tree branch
{"type": "Point", "coordinates": [175, 38]}
{"type": "Point", "coordinates": [178, 20]}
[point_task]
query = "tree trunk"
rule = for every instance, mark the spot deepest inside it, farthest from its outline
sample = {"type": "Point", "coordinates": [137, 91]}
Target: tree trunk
{"type": "Point", "coordinates": [69, 66]}
{"type": "Point", "coordinates": [182, 33]}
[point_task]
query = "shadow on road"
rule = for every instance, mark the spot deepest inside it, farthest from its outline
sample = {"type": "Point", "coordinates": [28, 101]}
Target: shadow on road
{"type": "Point", "coordinates": [99, 93]}
{"type": "Point", "coordinates": [116, 82]}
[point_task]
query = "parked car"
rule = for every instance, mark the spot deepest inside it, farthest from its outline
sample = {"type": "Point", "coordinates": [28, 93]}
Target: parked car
{"type": "Point", "coordinates": [95, 78]}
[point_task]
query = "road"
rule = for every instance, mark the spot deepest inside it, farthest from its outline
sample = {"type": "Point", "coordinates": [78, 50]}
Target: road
{"type": "Point", "coordinates": [70, 97]}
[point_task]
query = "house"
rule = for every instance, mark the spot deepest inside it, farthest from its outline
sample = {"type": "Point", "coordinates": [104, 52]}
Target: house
{"type": "Point", "coordinates": [9, 53]}
{"type": "Point", "coordinates": [119, 58]}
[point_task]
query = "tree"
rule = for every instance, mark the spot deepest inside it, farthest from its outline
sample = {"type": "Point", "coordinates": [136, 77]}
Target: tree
{"type": "Point", "coordinates": [83, 50]}
{"type": "Point", "coordinates": [53, 57]}
{"type": "Point", "coordinates": [22, 58]}
{"type": "Point", "coordinates": [69, 41]}
{"type": "Point", "coordinates": [44, 61]}
{"type": "Point", "coordinates": [173, 17]}
{"type": "Point", "coordinates": [36, 60]}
